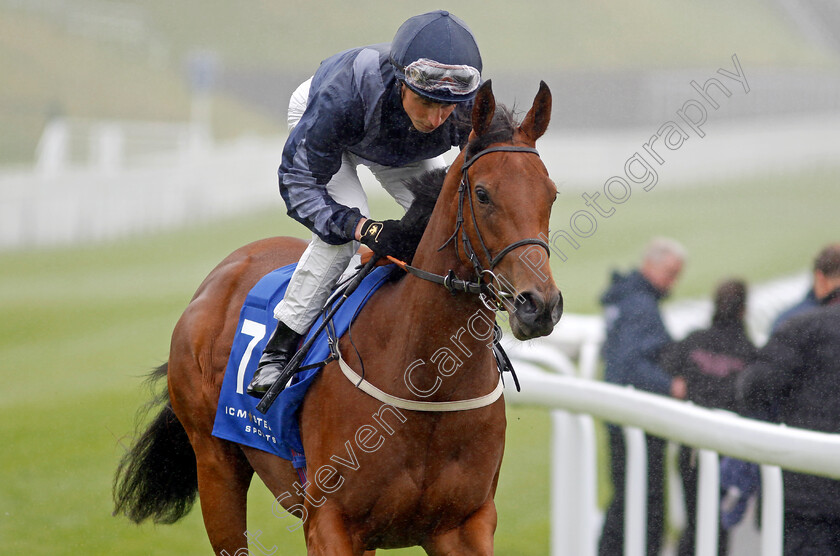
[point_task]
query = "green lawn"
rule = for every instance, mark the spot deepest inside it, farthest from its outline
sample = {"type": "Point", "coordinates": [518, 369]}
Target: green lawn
{"type": "Point", "coordinates": [82, 326]}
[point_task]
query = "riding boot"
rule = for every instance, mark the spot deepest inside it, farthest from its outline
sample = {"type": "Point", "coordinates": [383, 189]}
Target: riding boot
{"type": "Point", "coordinates": [280, 348]}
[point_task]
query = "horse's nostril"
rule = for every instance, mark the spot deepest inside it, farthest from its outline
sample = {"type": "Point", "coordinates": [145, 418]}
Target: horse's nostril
{"type": "Point", "coordinates": [528, 303]}
{"type": "Point", "coordinates": [532, 307]}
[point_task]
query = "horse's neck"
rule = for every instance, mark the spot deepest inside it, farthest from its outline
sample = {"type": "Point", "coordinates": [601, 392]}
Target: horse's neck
{"type": "Point", "coordinates": [446, 331]}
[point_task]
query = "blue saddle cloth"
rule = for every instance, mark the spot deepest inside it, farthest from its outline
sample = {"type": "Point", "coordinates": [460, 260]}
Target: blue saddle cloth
{"type": "Point", "coordinates": [277, 432]}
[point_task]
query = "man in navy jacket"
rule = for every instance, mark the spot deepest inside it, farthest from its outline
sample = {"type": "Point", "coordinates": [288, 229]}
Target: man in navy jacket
{"type": "Point", "coordinates": [395, 108]}
{"type": "Point", "coordinates": [636, 336]}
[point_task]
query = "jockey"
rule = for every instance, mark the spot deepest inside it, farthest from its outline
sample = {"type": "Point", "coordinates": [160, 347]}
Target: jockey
{"type": "Point", "coordinates": [395, 108]}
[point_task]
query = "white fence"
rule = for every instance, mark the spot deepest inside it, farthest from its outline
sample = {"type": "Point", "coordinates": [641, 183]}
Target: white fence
{"type": "Point", "coordinates": [97, 181]}
{"type": "Point", "coordinates": [100, 180]}
{"type": "Point", "coordinates": [575, 524]}
{"type": "Point", "coordinates": [558, 373]}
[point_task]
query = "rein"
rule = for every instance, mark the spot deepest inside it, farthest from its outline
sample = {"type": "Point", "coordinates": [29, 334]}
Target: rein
{"type": "Point", "coordinates": [479, 286]}
{"type": "Point", "coordinates": [453, 284]}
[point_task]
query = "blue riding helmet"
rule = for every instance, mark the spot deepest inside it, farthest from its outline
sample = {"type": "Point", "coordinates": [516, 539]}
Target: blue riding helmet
{"type": "Point", "coordinates": [436, 56]}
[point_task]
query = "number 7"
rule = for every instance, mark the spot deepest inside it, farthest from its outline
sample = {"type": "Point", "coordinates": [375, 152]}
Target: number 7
{"type": "Point", "coordinates": [257, 333]}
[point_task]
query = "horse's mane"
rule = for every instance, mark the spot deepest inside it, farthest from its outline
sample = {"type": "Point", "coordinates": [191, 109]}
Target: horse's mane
{"type": "Point", "coordinates": [501, 130]}
{"type": "Point", "coordinates": [426, 189]}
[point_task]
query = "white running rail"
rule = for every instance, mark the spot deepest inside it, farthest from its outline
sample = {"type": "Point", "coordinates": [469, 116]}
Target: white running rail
{"type": "Point", "coordinates": [575, 401]}
{"type": "Point", "coordinates": [558, 373]}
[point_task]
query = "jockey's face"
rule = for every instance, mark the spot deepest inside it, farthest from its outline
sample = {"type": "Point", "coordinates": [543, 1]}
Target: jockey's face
{"type": "Point", "coordinates": [426, 115]}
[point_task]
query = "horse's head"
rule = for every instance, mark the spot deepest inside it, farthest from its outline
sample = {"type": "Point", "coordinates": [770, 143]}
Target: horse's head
{"type": "Point", "coordinates": [505, 205]}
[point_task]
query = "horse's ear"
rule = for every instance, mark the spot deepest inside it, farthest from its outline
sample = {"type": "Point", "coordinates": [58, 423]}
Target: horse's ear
{"type": "Point", "coordinates": [484, 107]}
{"type": "Point", "coordinates": [536, 121]}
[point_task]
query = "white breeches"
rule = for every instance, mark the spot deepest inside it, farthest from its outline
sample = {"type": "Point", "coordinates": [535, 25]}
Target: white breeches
{"type": "Point", "coordinates": [322, 264]}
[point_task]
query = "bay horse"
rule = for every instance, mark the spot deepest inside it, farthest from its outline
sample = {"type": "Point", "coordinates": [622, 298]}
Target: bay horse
{"type": "Point", "coordinates": [379, 476]}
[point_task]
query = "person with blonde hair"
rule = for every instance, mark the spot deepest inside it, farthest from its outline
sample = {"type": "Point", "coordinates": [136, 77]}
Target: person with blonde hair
{"type": "Point", "coordinates": [635, 338]}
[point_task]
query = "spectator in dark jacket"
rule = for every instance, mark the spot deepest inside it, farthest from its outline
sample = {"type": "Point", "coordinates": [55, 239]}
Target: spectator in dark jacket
{"type": "Point", "coordinates": [809, 301]}
{"type": "Point", "coordinates": [635, 338]}
{"type": "Point", "coordinates": [709, 360]}
{"type": "Point", "coordinates": [798, 373]}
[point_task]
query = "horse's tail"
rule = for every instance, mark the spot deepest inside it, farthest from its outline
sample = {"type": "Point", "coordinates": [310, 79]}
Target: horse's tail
{"type": "Point", "coordinates": [157, 476]}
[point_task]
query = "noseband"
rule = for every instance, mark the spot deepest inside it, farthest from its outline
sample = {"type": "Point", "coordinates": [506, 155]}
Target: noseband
{"type": "Point", "coordinates": [479, 286]}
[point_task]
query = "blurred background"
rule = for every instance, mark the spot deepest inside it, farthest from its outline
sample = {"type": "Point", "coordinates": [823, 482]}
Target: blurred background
{"type": "Point", "coordinates": [139, 142]}
{"type": "Point", "coordinates": [121, 117]}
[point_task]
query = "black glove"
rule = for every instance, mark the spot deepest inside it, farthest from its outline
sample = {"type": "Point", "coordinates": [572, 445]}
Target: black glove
{"type": "Point", "coordinates": [387, 237]}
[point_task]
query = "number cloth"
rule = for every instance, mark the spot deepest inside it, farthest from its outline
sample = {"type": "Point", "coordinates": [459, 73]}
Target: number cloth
{"type": "Point", "coordinates": [237, 419]}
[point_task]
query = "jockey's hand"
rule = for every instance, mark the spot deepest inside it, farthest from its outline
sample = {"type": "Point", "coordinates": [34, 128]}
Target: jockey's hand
{"type": "Point", "coordinates": [387, 237]}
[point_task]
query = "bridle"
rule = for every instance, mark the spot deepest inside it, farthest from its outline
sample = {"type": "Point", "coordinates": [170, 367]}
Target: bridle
{"type": "Point", "coordinates": [479, 286]}
{"type": "Point", "coordinates": [465, 190]}
{"type": "Point", "coordinates": [453, 284]}
{"type": "Point", "coordinates": [450, 282]}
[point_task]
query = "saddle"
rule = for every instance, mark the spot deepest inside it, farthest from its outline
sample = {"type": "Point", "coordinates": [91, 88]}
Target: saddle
{"type": "Point", "coordinates": [276, 430]}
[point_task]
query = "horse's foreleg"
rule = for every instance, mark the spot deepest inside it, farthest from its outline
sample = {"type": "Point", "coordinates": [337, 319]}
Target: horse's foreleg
{"type": "Point", "coordinates": [327, 535]}
{"type": "Point", "coordinates": [474, 537]}
{"type": "Point", "coordinates": [223, 479]}
{"type": "Point", "coordinates": [277, 474]}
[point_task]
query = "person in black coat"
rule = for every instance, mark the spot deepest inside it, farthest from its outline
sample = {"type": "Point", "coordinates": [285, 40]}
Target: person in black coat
{"type": "Point", "coordinates": [797, 374]}
{"type": "Point", "coordinates": [709, 360]}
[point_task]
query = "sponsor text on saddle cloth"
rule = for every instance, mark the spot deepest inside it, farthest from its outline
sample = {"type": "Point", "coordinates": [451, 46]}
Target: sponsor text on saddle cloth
{"type": "Point", "coordinates": [277, 432]}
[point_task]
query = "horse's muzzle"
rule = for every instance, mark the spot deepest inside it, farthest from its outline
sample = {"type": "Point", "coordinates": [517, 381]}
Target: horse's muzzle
{"type": "Point", "coordinates": [536, 313]}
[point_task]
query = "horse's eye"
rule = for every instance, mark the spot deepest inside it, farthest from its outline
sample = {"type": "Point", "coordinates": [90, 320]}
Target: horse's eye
{"type": "Point", "coordinates": [482, 196]}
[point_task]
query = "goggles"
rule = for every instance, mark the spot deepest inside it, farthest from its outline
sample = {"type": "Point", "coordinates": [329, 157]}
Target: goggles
{"type": "Point", "coordinates": [428, 75]}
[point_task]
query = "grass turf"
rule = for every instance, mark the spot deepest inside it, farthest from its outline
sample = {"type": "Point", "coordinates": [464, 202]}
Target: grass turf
{"type": "Point", "coordinates": [82, 326]}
